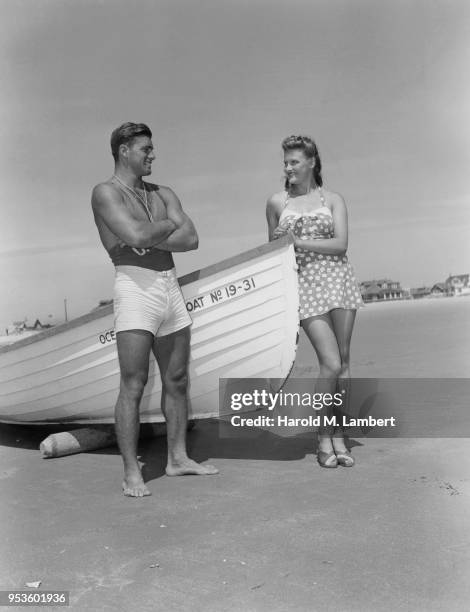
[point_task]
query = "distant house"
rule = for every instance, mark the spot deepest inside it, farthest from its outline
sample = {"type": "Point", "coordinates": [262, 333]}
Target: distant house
{"type": "Point", "coordinates": [420, 292]}
{"type": "Point", "coordinates": [19, 327]}
{"type": "Point", "coordinates": [381, 290]}
{"type": "Point", "coordinates": [457, 284]}
{"type": "Point", "coordinates": [438, 290]}
{"type": "Point", "coordinates": [38, 325]}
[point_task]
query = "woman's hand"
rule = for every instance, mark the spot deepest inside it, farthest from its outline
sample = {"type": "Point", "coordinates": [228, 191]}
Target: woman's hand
{"type": "Point", "coordinates": [279, 231]}
{"type": "Point", "coordinates": [282, 229]}
{"type": "Point", "coordinates": [300, 232]}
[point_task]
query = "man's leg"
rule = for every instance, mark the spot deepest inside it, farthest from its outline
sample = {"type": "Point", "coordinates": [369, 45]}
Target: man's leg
{"type": "Point", "coordinates": [172, 355]}
{"type": "Point", "coordinates": [134, 350]}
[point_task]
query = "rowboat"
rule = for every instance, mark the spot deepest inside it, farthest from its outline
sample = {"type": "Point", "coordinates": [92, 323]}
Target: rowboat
{"type": "Point", "coordinates": [245, 325]}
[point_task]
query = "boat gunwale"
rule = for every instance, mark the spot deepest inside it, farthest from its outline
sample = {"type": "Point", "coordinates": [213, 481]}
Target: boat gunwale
{"type": "Point", "coordinates": [186, 279]}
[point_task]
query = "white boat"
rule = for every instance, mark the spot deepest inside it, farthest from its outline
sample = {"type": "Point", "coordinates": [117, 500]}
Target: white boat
{"type": "Point", "coordinates": [245, 324]}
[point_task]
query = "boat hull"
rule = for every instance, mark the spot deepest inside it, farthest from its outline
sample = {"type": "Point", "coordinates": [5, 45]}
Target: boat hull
{"type": "Point", "coordinates": [245, 325]}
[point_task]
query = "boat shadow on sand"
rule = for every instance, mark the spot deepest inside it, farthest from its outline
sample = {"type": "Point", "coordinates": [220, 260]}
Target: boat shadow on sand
{"type": "Point", "coordinates": [208, 441]}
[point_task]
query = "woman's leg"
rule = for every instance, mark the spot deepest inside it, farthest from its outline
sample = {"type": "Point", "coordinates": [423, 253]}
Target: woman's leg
{"type": "Point", "coordinates": [343, 324]}
{"type": "Point", "coordinates": [320, 332]}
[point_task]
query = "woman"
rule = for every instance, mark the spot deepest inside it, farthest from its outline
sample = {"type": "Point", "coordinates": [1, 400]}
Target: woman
{"type": "Point", "coordinates": [329, 293]}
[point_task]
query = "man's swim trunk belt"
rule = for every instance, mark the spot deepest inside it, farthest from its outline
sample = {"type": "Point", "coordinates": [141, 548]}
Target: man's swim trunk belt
{"type": "Point", "coordinates": [149, 300]}
{"type": "Point", "coordinates": [153, 258]}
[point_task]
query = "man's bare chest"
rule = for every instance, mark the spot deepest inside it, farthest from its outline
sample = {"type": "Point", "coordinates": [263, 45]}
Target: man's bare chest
{"type": "Point", "coordinates": [145, 205]}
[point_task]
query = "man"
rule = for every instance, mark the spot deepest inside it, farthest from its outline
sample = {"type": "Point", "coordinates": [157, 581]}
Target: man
{"type": "Point", "coordinates": [140, 224]}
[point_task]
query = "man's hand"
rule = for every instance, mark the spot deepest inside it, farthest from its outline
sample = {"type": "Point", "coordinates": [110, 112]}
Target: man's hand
{"type": "Point", "coordinates": [185, 237]}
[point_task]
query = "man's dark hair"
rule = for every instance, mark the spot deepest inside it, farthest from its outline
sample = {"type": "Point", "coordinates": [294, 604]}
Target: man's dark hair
{"type": "Point", "coordinates": [125, 133]}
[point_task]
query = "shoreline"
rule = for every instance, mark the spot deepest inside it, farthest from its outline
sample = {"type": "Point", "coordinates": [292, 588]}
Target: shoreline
{"type": "Point", "coordinates": [439, 299]}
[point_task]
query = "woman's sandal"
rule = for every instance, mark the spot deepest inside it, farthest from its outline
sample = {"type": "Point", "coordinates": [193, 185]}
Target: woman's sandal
{"type": "Point", "coordinates": [345, 459]}
{"type": "Point", "coordinates": [325, 459]}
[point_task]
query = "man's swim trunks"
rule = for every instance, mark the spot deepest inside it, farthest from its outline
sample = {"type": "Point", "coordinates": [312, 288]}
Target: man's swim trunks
{"type": "Point", "coordinates": [150, 300]}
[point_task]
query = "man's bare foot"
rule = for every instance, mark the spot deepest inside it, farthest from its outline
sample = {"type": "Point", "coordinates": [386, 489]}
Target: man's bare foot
{"type": "Point", "coordinates": [189, 467]}
{"type": "Point", "coordinates": [134, 486]}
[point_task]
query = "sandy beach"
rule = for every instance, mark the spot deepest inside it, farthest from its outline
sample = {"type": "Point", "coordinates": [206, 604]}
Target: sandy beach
{"type": "Point", "coordinates": [272, 531]}
{"type": "Point", "coordinates": [427, 338]}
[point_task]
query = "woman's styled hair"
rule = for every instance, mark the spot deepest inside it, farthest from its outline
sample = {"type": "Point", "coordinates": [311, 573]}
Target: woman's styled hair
{"type": "Point", "coordinates": [125, 133]}
{"type": "Point", "coordinates": [310, 150]}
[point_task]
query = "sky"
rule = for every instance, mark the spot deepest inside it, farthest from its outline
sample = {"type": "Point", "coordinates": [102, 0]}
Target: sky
{"type": "Point", "coordinates": [382, 87]}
